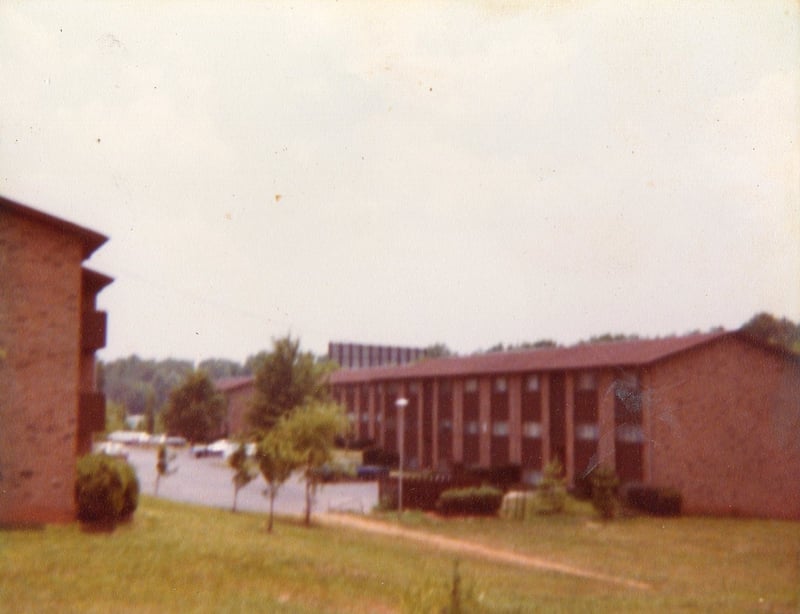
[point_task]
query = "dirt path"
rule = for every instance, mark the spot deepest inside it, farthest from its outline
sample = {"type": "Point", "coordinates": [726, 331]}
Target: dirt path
{"type": "Point", "coordinates": [477, 550]}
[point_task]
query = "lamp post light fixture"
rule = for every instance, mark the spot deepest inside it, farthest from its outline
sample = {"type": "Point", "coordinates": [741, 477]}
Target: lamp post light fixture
{"type": "Point", "coordinates": [400, 404]}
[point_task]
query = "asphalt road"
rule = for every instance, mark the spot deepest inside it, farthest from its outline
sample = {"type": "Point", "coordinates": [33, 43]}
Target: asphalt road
{"type": "Point", "coordinates": [209, 481]}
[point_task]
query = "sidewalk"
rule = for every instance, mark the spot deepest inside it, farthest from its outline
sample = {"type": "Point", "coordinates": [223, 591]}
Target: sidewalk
{"type": "Point", "coordinates": [473, 549]}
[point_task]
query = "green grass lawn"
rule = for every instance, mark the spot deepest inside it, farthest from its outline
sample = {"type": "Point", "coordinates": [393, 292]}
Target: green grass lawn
{"type": "Point", "coordinates": [178, 558]}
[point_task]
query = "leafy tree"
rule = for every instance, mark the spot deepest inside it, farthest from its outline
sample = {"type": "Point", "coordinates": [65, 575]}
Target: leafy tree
{"type": "Point", "coordinates": [150, 412]}
{"type": "Point", "coordinates": [254, 362]}
{"type": "Point", "coordinates": [611, 338]}
{"type": "Point", "coordinates": [130, 380]}
{"type": "Point", "coordinates": [115, 416]}
{"type": "Point", "coordinates": [438, 350]}
{"type": "Point", "coordinates": [243, 474]}
{"type": "Point", "coordinates": [195, 409]}
{"type": "Point", "coordinates": [217, 368]}
{"type": "Point", "coordinates": [773, 331]}
{"type": "Point", "coordinates": [277, 460]}
{"type": "Point", "coordinates": [287, 378]}
{"type": "Point", "coordinates": [312, 430]}
{"type": "Point", "coordinates": [524, 345]}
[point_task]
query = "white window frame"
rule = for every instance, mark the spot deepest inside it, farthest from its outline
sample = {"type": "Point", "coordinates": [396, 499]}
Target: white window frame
{"type": "Point", "coordinates": [500, 428]}
{"type": "Point", "coordinates": [532, 430]}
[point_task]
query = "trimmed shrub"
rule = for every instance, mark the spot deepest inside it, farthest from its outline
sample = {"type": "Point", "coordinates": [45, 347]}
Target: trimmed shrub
{"type": "Point", "coordinates": [106, 489]}
{"type": "Point", "coordinates": [653, 500]}
{"type": "Point", "coordinates": [483, 501]}
{"type": "Point", "coordinates": [502, 476]}
{"type": "Point", "coordinates": [604, 491]}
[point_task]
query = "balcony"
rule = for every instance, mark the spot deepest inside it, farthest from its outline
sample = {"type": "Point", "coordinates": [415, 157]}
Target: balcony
{"type": "Point", "coordinates": [91, 413]}
{"type": "Point", "coordinates": [93, 330]}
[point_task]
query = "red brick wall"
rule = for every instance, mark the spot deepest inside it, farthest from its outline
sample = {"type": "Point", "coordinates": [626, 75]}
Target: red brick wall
{"type": "Point", "coordinates": [725, 430]}
{"type": "Point", "coordinates": [239, 402]}
{"type": "Point", "coordinates": [39, 377]}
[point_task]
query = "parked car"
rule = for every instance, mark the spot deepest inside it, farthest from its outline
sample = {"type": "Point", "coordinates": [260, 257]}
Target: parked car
{"type": "Point", "coordinates": [221, 448]}
{"type": "Point", "coordinates": [371, 472]}
{"type": "Point", "coordinates": [111, 448]}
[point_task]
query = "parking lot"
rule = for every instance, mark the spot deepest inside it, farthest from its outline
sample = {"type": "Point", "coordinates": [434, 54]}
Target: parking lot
{"type": "Point", "coordinates": [209, 481]}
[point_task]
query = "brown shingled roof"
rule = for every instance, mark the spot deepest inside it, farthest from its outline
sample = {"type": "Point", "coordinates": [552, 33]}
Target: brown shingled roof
{"type": "Point", "coordinates": [586, 356]}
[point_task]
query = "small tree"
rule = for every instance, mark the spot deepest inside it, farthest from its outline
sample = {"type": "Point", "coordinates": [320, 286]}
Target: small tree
{"type": "Point", "coordinates": [552, 491]}
{"type": "Point", "coordinates": [286, 378]}
{"type": "Point", "coordinates": [276, 460]}
{"type": "Point", "coordinates": [243, 474]}
{"type": "Point", "coordinates": [604, 491]}
{"type": "Point", "coordinates": [163, 469]}
{"type": "Point", "coordinates": [312, 430]}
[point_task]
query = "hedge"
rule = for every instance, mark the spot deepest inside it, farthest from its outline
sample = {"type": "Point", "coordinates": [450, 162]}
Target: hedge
{"type": "Point", "coordinates": [653, 500]}
{"type": "Point", "coordinates": [483, 501]}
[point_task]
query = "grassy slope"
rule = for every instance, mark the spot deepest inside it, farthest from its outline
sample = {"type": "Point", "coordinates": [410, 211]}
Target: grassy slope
{"type": "Point", "coordinates": [179, 558]}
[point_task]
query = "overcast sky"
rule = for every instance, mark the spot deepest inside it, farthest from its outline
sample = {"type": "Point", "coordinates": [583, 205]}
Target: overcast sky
{"type": "Point", "coordinates": [411, 173]}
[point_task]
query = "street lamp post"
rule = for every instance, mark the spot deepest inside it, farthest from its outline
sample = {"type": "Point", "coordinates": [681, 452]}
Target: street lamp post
{"type": "Point", "coordinates": [401, 435]}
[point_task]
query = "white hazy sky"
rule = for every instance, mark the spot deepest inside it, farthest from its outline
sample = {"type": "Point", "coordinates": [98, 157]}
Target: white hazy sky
{"type": "Point", "coordinates": [412, 172]}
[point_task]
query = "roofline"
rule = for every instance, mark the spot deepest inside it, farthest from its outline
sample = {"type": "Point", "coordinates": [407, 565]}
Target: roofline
{"type": "Point", "coordinates": [91, 239]}
{"type": "Point", "coordinates": [97, 281]}
{"type": "Point", "coordinates": [780, 350]}
{"type": "Point", "coordinates": [401, 372]}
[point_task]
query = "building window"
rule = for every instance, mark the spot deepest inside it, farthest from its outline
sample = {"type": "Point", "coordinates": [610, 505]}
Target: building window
{"type": "Point", "coordinates": [532, 383]}
{"type": "Point", "coordinates": [444, 386]}
{"type": "Point", "coordinates": [471, 385]}
{"type": "Point", "coordinates": [500, 385]}
{"type": "Point", "coordinates": [365, 417]}
{"type": "Point", "coordinates": [532, 430]}
{"type": "Point", "coordinates": [472, 427]}
{"type": "Point", "coordinates": [413, 388]}
{"type": "Point", "coordinates": [500, 429]}
{"type": "Point", "coordinates": [445, 426]}
{"type": "Point", "coordinates": [628, 402]}
{"type": "Point", "coordinates": [630, 433]}
{"type": "Point", "coordinates": [587, 432]}
{"type": "Point", "coordinates": [351, 417]}
{"type": "Point", "coordinates": [587, 381]}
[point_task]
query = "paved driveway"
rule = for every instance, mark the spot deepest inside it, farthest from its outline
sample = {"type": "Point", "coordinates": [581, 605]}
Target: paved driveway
{"type": "Point", "coordinates": [209, 481]}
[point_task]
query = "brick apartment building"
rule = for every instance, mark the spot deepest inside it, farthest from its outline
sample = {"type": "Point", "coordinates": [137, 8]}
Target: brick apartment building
{"type": "Point", "coordinates": [715, 416]}
{"type": "Point", "coordinates": [238, 391]}
{"type": "Point", "coordinates": [49, 331]}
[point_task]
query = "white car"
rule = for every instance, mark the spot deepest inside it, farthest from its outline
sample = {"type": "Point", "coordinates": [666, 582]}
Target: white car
{"type": "Point", "coordinates": [220, 448]}
{"type": "Point", "coordinates": [111, 448]}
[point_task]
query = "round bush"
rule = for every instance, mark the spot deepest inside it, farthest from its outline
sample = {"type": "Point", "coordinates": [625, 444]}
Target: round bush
{"type": "Point", "coordinates": [106, 489]}
{"type": "Point", "coordinates": [483, 501]}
